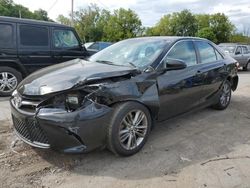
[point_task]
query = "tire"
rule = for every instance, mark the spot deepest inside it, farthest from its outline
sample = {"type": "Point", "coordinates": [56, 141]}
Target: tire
{"type": "Point", "coordinates": [120, 130]}
{"type": "Point", "coordinates": [9, 79]}
{"type": "Point", "coordinates": [224, 97]}
{"type": "Point", "coordinates": [245, 68]}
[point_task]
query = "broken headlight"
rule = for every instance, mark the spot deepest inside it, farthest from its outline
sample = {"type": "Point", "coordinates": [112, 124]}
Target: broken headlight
{"type": "Point", "coordinates": [72, 101]}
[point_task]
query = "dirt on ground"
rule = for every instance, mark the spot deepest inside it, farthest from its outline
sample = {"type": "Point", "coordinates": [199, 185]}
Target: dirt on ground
{"type": "Point", "coordinates": [206, 148]}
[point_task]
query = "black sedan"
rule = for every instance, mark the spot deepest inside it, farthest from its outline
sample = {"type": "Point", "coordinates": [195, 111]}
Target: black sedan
{"type": "Point", "coordinates": [114, 98]}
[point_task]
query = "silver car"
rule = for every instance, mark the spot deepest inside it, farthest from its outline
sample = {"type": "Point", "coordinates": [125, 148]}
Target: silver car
{"type": "Point", "coordinates": [239, 52]}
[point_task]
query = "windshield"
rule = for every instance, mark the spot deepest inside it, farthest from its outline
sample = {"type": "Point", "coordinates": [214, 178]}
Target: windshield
{"type": "Point", "coordinates": [133, 52]}
{"type": "Point", "coordinates": [228, 49]}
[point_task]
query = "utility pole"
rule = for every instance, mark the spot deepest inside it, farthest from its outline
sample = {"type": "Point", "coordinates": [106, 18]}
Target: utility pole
{"type": "Point", "coordinates": [72, 12]}
{"type": "Point", "coordinates": [20, 14]}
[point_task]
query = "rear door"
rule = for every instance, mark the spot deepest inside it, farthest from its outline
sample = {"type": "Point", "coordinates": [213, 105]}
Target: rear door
{"type": "Point", "coordinates": [213, 69]}
{"type": "Point", "coordinates": [66, 45]}
{"type": "Point", "coordinates": [34, 46]}
{"type": "Point", "coordinates": [8, 49]}
{"type": "Point", "coordinates": [180, 90]}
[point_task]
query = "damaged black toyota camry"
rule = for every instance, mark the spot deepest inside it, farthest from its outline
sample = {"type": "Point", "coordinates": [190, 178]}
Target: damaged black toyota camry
{"type": "Point", "coordinates": [113, 98]}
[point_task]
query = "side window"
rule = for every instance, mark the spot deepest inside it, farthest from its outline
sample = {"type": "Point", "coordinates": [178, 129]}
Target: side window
{"type": "Point", "coordinates": [64, 39]}
{"type": "Point", "coordinates": [34, 36]}
{"type": "Point", "coordinates": [218, 55]}
{"type": "Point", "coordinates": [184, 51]}
{"type": "Point", "coordinates": [238, 50]}
{"type": "Point", "coordinates": [6, 36]}
{"type": "Point", "coordinates": [207, 52]}
{"type": "Point", "coordinates": [244, 50]}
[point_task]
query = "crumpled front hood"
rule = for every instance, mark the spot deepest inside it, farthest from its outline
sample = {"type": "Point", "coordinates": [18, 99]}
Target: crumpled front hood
{"type": "Point", "coordinates": [66, 75]}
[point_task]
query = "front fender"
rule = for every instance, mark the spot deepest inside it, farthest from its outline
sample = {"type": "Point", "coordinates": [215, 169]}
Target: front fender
{"type": "Point", "coordinates": [145, 92]}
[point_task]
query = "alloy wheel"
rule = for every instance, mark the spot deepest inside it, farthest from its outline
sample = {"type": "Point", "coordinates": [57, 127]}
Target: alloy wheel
{"type": "Point", "coordinates": [133, 129]}
{"type": "Point", "coordinates": [8, 82]}
{"type": "Point", "coordinates": [225, 95]}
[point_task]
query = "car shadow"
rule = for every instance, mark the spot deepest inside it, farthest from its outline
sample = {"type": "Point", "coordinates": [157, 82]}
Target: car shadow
{"type": "Point", "coordinates": [174, 144]}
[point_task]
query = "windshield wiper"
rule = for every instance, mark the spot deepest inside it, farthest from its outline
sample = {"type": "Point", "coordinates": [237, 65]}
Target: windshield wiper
{"type": "Point", "coordinates": [106, 62]}
{"type": "Point", "coordinates": [111, 63]}
{"type": "Point", "coordinates": [132, 64]}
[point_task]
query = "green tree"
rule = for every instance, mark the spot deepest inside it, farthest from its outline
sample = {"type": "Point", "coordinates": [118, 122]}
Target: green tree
{"type": "Point", "coordinates": [9, 8]}
{"type": "Point", "coordinates": [86, 21]}
{"type": "Point", "coordinates": [162, 28]}
{"type": "Point", "coordinates": [41, 14]}
{"type": "Point", "coordinates": [122, 24]}
{"type": "Point", "coordinates": [183, 23]}
{"type": "Point", "coordinates": [63, 20]}
{"type": "Point", "coordinates": [240, 38]}
{"type": "Point", "coordinates": [222, 27]}
{"type": "Point", "coordinates": [102, 22]}
{"type": "Point", "coordinates": [207, 32]}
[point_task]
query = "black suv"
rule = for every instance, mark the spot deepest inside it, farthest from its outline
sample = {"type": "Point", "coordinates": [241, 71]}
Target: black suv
{"type": "Point", "coordinates": [28, 45]}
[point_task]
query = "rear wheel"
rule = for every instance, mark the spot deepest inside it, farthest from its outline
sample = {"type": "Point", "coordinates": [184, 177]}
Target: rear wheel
{"type": "Point", "coordinates": [129, 128]}
{"type": "Point", "coordinates": [9, 79]}
{"type": "Point", "coordinates": [225, 96]}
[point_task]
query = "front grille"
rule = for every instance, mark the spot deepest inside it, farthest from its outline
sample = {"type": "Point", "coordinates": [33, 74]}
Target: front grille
{"type": "Point", "coordinates": [31, 132]}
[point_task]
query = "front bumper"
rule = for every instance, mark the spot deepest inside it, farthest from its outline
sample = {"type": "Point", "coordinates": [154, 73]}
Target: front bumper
{"type": "Point", "coordinates": [69, 132]}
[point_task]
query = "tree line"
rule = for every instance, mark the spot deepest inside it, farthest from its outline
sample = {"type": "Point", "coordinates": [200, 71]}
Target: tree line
{"type": "Point", "coordinates": [95, 24]}
{"type": "Point", "coordinates": [9, 8]}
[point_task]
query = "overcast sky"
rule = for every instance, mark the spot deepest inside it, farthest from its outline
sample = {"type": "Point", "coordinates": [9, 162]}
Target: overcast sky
{"type": "Point", "coordinates": [151, 11]}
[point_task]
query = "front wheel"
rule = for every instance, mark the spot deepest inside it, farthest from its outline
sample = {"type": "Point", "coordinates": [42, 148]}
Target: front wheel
{"type": "Point", "coordinates": [224, 97]}
{"type": "Point", "coordinates": [129, 128]}
{"type": "Point", "coordinates": [246, 67]}
{"type": "Point", "coordinates": [9, 79]}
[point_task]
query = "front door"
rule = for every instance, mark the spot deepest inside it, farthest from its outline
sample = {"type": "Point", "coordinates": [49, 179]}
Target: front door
{"type": "Point", "coordinates": [180, 90]}
{"type": "Point", "coordinates": [66, 45]}
{"type": "Point", "coordinates": [239, 55]}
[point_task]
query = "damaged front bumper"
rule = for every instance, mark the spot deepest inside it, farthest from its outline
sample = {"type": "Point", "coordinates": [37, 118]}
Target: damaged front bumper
{"type": "Point", "coordinates": [71, 132]}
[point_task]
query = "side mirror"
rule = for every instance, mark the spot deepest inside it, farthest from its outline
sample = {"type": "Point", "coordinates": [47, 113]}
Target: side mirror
{"type": "Point", "coordinates": [174, 64]}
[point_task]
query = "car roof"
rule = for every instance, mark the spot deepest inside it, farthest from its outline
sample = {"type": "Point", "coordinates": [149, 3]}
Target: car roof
{"type": "Point", "coordinates": [31, 21]}
{"type": "Point", "coordinates": [169, 38]}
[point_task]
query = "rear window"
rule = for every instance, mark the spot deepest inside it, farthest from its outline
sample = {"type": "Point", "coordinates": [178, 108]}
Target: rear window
{"type": "Point", "coordinates": [207, 52]}
{"type": "Point", "coordinates": [6, 36]}
{"type": "Point", "coordinates": [34, 36]}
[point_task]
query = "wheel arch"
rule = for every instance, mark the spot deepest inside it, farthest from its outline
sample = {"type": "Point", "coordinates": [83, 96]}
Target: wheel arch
{"type": "Point", "coordinates": [151, 112]}
{"type": "Point", "coordinates": [16, 65]}
{"type": "Point", "coordinates": [234, 81]}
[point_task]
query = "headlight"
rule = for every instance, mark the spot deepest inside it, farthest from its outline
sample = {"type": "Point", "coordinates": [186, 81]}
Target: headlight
{"type": "Point", "coordinates": [72, 101]}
